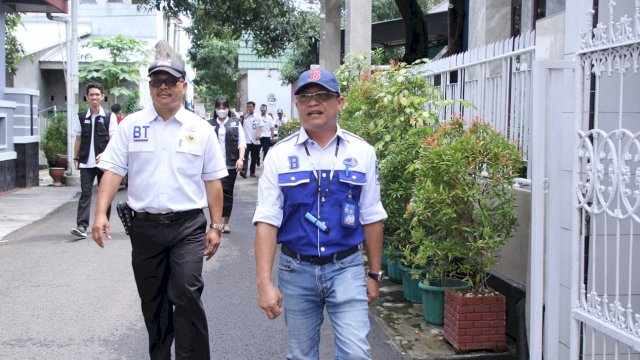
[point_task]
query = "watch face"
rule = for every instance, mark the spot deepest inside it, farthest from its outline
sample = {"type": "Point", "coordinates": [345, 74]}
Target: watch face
{"type": "Point", "coordinates": [375, 276]}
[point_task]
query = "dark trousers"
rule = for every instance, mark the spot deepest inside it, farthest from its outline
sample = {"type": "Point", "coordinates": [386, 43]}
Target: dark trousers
{"type": "Point", "coordinates": [87, 176]}
{"type": "Point", "coordinates": [228, 183]}
{"type": "Point", "coordinates": [254, 151]}
{"type": "Point", "coordinates": [265, 144]}
{"type": "Point", "coordinates": [167, 265]}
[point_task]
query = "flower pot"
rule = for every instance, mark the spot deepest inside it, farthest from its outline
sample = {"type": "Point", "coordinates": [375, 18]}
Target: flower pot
{"type": "Point", "coordinates": [433, 298]}
{"type": "Point", "coordinates": [63, 160]}
{"type": "Point", "coordinates": [475, 322]}
{"type": "Point", "coordinates": [57, 173]}
{"type": "Point", "coordinates": [385, 260]}
{"type": "Point", "coordinates": [410, 288]}
{"type": "Point", "coordinates": [393, 271]}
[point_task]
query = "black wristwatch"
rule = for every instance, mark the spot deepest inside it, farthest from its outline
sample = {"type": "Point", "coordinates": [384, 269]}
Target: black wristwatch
{"type": "Point", "coordinates": [377, 276]}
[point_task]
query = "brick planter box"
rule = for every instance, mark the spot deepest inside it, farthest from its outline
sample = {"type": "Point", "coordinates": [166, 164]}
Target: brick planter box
{"type": "Point", "coordinates": [474, 323]}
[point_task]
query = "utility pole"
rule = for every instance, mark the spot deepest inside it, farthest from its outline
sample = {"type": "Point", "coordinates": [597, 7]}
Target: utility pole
{"type": "Point", "coordinates": [72, 177]}
{"type": "Point", "coordinates": [330, 34]}
{"type": "Point", "coordinates": [358, 30]}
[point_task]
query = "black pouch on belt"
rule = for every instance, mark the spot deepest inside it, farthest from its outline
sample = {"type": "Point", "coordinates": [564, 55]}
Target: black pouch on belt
{"type": "Point", "coordinates": [126, 215]}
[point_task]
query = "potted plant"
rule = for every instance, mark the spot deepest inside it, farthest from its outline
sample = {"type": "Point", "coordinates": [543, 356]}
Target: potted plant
{"type": "Point", "coordinates": [463, 202]}
{"type": "Point", "coordinates": [392, 109]}
{"type": "Point", "coordinates": [54, 143]}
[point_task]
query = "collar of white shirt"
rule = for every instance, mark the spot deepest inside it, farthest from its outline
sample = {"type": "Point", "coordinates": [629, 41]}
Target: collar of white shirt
{"type": "Point", "coordinates": [303, 137]}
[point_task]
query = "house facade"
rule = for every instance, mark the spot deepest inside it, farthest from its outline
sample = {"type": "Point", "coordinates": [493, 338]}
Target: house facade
{"type": "Point", "coordinates": [42, 72]}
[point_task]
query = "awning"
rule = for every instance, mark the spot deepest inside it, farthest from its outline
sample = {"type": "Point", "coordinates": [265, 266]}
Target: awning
{"type": "Point", "coordinates": [38, 6]}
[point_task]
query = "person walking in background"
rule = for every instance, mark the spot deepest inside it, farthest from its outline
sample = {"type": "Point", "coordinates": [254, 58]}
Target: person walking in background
{"type": "Point", "coordinates": [93, 130]}
{"type": "Point", "coordinates": [117, 109]}
{"type": "Point", "coordinates": [267, 131]}
{"type": "Point", "coordinates": [233, 145]}
{"type": "Point", "coordinates": [279, 121]}
{"type": "Point", "coordinates": [175, 166]}
{"type": "Point", "coordinates": [312, 182]}
{"type": "Point", "coordinates": [253, 130]}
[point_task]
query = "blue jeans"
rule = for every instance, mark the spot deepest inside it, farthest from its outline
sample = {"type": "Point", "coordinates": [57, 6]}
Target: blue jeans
{"type": "Point", "coordinates": [307, 289]}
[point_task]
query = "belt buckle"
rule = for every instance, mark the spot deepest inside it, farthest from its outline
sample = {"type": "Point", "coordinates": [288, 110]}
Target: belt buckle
{"type": "Point", "coordinates": [168, 219]}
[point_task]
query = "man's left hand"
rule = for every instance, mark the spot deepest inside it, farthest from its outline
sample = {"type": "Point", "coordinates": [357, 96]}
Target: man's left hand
{"type": "Point", "coordinates": [373, 288]}
{"type": "Point", "coordinates": [212, 241]}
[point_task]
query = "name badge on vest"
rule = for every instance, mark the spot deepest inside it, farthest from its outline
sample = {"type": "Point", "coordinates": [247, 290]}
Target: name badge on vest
{"type": "Point", "coordinates": [87, 121]}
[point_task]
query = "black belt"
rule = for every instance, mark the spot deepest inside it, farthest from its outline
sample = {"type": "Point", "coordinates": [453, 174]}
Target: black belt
{"type": "Point", "coordinates": [319, 260]}
{"type": "Point", "coordinates": [167, 218]}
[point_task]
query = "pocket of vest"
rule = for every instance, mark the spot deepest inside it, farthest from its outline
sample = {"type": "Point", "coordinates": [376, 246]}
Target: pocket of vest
{"type": "Point", "coordinates": [354, 178]}
{"type": "Point", "coordinates": [293, 178]}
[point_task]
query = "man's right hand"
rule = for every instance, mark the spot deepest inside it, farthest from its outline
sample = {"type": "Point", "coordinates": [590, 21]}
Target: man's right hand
{"type": "Point", "coordinates": [270, 300]}
{"type": "Point", "coordinates": [100, 229]}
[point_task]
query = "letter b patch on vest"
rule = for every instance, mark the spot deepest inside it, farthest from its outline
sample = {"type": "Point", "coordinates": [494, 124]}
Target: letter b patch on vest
{"type": "Point", "coordinates": [293, 162]}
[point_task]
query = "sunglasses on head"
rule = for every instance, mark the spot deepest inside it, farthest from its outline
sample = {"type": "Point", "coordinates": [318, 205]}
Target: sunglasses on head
{"type": "Point", "coordinates": [321, 96]}
{"type": "Point", "coordinates": [169, 82]}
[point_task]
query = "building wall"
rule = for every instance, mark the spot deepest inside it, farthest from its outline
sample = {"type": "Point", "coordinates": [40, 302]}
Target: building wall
{"type": "Point", "coordinates": [264, 87]}
{"type": "Point", "coordinates": [489, 21]}
{"type": "Point", "coordinates": [109, 18]}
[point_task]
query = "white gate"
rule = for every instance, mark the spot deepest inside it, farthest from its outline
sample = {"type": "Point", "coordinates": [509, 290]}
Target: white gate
{"type": "Point", "coordinates": [605, 276]}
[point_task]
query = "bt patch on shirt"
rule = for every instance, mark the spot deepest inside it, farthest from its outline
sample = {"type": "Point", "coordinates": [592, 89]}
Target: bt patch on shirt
{"type": "Point", "coordinates": [140, 133]}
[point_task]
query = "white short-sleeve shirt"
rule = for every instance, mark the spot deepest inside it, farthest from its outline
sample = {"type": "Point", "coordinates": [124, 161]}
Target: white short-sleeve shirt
{"type": "Point", "coordinates": [167, 162]}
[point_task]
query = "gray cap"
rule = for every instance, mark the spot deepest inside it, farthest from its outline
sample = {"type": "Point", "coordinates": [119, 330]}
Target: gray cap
{"type": "Point", "coordinates": [172, 65]}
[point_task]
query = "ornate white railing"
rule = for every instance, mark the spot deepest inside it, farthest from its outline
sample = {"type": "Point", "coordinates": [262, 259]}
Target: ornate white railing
{"type": "Point", "coordinates": [608, 188]}
{"type": "Point", "coordinates": [496, 79]}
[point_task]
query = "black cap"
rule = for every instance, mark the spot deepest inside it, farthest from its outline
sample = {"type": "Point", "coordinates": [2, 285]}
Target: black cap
{"type": "Point", "coordinates": [172, 65]}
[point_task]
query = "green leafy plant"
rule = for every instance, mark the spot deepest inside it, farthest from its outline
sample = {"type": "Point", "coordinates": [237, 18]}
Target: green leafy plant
{"type": "Point", "coordinates": [14, 50]}
{"type": "Point", "coordinates": [54, 140]}
{"type": "Point", "coordinates": [392, 108]}
{"type": "Point", "coordinates": [288, 128]}
{"type": "Point", "coordinates": [126, 57]}
{"type": "Point", "coordinates": [462, 208]}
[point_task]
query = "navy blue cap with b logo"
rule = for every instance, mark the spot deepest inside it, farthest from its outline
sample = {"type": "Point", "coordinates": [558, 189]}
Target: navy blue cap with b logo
{"type": "Point", "coordinates": [322, 77]}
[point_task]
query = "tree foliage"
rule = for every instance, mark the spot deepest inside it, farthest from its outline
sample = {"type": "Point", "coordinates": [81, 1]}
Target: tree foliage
{"type": "Point", "coordinates": [216, 80]}
{"type": "Point", "coordinates": [273, 24]}
{"type": "Point", "coordinates": [303, 51]}
{"type": "Point", "coordinates": [126, 56]}
{"type": "Point", "coordinates": [13, 48]}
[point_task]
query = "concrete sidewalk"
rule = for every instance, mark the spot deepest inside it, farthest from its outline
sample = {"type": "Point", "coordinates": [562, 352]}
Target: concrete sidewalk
{"type": "Point", "coordinates": [23, 206]}
{"type": "Point", "coordinates": [401, 320]}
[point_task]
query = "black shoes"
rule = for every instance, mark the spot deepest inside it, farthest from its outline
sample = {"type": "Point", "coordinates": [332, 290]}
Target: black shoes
{"type": "Point", "coordinates": [243, 174]}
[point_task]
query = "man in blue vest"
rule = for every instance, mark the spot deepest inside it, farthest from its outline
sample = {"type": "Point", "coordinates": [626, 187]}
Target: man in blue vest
{"type": "Point", "coordinates": [93, 130]}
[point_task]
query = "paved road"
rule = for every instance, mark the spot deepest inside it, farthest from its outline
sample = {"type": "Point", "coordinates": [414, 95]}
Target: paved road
{"type": "Point", "coordinates": [62, 298]}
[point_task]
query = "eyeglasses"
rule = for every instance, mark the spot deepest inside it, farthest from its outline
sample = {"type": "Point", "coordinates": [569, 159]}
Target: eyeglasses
{"type": "Point", "coordinates": [320, 96]}
{"type": "Point", "coordinates": [169, 82]}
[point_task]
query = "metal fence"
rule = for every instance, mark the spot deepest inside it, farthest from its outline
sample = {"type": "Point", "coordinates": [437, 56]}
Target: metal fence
{"type": "Point", "coordinates": [496, 79]}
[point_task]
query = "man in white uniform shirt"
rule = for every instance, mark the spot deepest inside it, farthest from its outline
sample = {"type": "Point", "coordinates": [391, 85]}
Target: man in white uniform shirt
{"type": "Point", "coordinates": [93, 129]}
{"type": "Point", "coordinates": [174, 164]}
{"type": "Point", "coordinates": [253, 130]}
{"type": "Point", "coordinates": [267, 130]}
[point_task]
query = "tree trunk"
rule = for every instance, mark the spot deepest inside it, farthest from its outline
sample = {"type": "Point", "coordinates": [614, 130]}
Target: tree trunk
{"type": "Point", "coordinates": [415, 30]}
{"type": "Point", "coordinates": [456, 26]}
